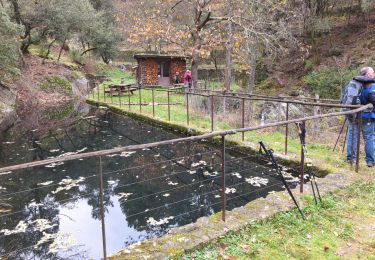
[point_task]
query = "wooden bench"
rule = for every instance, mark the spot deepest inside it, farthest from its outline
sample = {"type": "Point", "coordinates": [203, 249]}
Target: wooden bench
{"type": "Point", "coordinates": [119, 89]}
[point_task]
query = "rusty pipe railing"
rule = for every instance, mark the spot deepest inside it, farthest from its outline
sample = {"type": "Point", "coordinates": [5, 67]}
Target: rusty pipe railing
{"type": "Point", "coordinates": [178, 140]}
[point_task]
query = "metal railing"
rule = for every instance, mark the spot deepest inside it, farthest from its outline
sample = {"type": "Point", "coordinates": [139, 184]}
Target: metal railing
{"type": "Point", "coordinates": [222, 134]}
{"type": "Point", "coordinates": [211, 96]}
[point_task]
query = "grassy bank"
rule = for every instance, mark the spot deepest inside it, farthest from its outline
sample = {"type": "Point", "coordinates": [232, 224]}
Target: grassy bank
{"type": "Point", "coordinates": [341, 227]}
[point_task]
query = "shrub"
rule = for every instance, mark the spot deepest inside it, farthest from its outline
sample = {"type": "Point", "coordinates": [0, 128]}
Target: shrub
{"type": "Point", "coordinates": [76, 56]}
{"type": "Point", "coordinates": [310, 63]}
{"type": "Point", "coordinates": [55, 83]}
{"type": "Point", "coordinates": [329, 82]}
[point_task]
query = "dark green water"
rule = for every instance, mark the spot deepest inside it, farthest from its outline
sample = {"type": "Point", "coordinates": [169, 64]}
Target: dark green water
{"type": "Point", "coordinates": [53, 212]}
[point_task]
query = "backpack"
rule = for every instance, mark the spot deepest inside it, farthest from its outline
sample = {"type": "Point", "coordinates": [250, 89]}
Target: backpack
{"type": "Point", "coordinates": [351, 96]}
{"type": "Point", "coordinates": [352, 93]}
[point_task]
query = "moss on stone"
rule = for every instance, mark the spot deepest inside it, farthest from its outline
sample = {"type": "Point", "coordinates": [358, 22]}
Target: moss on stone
{"type": "Point", "coordinates": [215, 217]}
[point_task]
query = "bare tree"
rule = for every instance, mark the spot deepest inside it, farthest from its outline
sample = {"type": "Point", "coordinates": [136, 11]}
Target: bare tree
{"type": "Point", "coordinates": [229, 47]}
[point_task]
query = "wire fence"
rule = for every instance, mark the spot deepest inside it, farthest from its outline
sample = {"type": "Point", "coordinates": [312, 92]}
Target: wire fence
{"type": "Point", "coordinates": [213, 109]}
{"type": "Point", "coordinates": [218, 181]}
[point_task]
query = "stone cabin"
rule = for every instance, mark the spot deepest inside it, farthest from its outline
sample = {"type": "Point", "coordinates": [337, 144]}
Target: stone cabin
{"type": "Point", "coordinates": [159, 69]}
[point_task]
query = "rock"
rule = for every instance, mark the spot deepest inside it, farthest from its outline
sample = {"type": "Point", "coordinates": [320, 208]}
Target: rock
{"type": "Point", "coordinates": [8, 114]}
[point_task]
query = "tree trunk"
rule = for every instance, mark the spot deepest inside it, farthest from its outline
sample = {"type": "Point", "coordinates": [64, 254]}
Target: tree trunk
{"type": "Point", "coordinates": [195, 58]}
{"type": "Point", "coordinates": [48, 51]}
{"type": "Point", "coordinates": [252, 70]}
{"type": "Point", "coordinates": [62, 46]}
{"type": "Point", "coordinates": [16, 10]}
{"type": "Point", "coordinates": [229, 47]}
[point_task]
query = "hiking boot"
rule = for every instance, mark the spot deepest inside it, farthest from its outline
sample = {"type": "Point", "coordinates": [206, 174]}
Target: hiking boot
{"type": "Point", "coordinates": [348, 161]}
{"type": "Point", "coordinates": [370, 164]}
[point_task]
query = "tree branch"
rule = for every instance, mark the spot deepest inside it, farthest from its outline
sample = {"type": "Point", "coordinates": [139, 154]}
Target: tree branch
{"type": "Point", "coordinates": [206, 20]}
{"type": "Point", "coordinates": [88, 50]}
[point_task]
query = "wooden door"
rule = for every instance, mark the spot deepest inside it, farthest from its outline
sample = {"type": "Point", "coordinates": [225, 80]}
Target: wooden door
{"type": "Point", "coordinates": [164, 70]}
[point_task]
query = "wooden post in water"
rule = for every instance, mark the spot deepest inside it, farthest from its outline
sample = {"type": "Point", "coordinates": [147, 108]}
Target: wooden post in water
{"type": "Point", "coordinates": [101, 200]}
{"type": "Point", "coordinates": [358, 141]}
{"type": "Point", "coordinates": [286, 128]}
{"type": "Point", "coordinates": [223, 186]}
{"type": "Point", "coordinates": [119, 100]}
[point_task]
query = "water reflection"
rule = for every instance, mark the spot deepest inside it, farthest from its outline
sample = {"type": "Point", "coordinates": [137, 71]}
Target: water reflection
{"type": "Point", "coordinates": [146, 192]}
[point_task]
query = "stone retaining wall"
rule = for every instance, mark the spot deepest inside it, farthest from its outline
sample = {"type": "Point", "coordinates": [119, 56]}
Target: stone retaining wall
{"type": "Point", "coordinates": [188, 237]}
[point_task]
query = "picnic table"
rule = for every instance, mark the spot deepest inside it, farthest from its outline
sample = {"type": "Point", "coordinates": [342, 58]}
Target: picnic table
{"type": "Point", "coordinates": [119, 89]}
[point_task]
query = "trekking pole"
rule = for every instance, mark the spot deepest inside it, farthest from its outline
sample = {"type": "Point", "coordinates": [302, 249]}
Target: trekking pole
{"type": "Point", "coordinates": [302, 136]}
{"type": "Point", "coordinates": [338, 138]}
{"type": "Point", "coordinates": [270, 156]}
{"type": "Point", "coordinates": [346, 137]}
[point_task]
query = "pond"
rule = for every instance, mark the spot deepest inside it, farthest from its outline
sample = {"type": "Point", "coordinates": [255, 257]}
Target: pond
{"type": "Point", "coordinates": [53, 211]}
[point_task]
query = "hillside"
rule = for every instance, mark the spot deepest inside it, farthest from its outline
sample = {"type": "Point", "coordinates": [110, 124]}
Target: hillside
{"type": "Point", "coordinates": [346, 48]}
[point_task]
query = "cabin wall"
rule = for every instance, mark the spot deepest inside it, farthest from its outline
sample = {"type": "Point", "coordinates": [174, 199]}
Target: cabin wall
{"type": "Point", "coordinates": [148, 70]}
{"type": "Point", "coordinates": [178, 65]}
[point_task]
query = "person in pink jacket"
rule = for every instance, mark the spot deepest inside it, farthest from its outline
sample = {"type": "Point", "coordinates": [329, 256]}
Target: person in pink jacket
{"type": "Point", "coordinates": [187, 80]}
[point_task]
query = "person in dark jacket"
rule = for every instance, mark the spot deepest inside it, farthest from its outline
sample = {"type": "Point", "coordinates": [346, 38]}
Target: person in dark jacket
{"type": "Point", "coordinates": [177, 78]}
{"type": "Point", "coordinates": [366, 77]}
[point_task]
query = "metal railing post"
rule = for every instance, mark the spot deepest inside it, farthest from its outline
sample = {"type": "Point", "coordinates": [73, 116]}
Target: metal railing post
{"type": "Point", "coordinates": [286, 128]}
{"type": "Point", "coordinates": [345, 139]}
{"type": "Point", "coordinates": [187, 108]}
{"type": "Point", "coordinates": [358, 141]}
{"type": "Point", "coordinates": [101, 199]}
{"type": "Point", "coordinates": [243, 118]}
{"type": "Point", "coordinates": [223, 185]}
{"type": "Point", "coordinates": [302, 170]}
{"type": "Point", "coordinates": [104, 97]}
{"type": "Point", "coordinates": [129, 98]}
{"type": "Point", "coordinates": [153, 102]}
{"type": "Point", "coordinates": [212, 113]}
{"type": "Point", "coordinates": [98, 88]}
{"type": "Point", "coordinates": [140, 99]}
{"type": "Point", "coordinates": [169, 106]}
{"type": "Point", "coordinates": [352, 142]}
